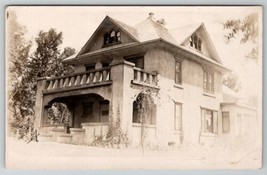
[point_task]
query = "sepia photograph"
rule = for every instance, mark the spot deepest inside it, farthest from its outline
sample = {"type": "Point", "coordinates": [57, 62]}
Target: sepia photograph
{"type": "Point", "coordinates": [133, 87]}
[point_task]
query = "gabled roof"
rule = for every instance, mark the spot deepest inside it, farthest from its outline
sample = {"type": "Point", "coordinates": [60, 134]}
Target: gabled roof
{"type": "Point", "coordinates": [131, 31]}
{"type": "Point", "coordinates": [151, 30]}
{"type": "Point", "coordinates": [182, 33]}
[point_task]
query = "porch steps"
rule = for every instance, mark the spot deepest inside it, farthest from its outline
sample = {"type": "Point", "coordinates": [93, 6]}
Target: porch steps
{"type": "Point", "coordinates": [56, 132]}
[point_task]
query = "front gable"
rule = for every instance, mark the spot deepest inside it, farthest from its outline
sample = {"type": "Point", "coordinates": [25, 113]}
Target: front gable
{"type": "Point", "coordinates": [109, 33]}
{"type": "Point", "coordinates": [199, 42]}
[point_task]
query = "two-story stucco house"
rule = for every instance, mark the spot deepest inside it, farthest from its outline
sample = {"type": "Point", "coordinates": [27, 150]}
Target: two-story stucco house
{"type": "Point", "coordinates": [179, 70]}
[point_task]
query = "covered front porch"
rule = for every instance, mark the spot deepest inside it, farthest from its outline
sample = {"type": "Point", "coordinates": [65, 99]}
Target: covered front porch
{"type": "Point", "coordinates": [76, 119]}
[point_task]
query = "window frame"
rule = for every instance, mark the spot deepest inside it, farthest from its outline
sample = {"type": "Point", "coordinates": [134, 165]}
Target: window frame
{"type": "Point", "coordinates": [178, 74]}
{"type": "Point", "coordinates": [228, 122]}
{"type": "Point", "coordinates": [178, 119]}
{"type": "Point", "coordinates": [134, 59]}
{"type": "Point", "coordinates": [92, 65]}
{"type": "Point", "coordinates": [196, 42]}
{"type": "Point", "coordinates": [208, 81]}
{"type": "Point", "coordinates": [112, 37]}
{"type": "Point", "coordinates": [214, 121]}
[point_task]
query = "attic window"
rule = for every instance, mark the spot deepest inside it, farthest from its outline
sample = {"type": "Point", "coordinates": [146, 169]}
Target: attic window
{"type": "Point", "coordinates": [112, 37]}
{"type": "Point", "coordinates": [195, 42]}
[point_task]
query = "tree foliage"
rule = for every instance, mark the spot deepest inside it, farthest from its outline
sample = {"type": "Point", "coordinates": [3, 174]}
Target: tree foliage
{"type": "Point", "coordinates": [231, 80]}
{"type": "Point", "coordinates": [247, 29]}
{"type": "Point", "coordinates": [45, 61]}
{"type": "Point", "coordinates": [18, 49]}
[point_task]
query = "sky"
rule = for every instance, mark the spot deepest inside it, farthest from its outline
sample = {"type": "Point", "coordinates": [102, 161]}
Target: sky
{"type": "Point", "coordinates": [79, 23]}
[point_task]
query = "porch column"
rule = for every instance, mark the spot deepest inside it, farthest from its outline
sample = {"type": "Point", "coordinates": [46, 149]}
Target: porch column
{"type": "Point", "coordinates": [39, 108]}
{"type": "Point", "coordinates": [121, 75]}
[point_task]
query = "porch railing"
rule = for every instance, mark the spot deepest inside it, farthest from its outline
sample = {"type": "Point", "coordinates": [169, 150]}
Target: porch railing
{"type": "Point", "coordinates": [145, 78]}
{"type": "Point", "coordinates": [93, 77]}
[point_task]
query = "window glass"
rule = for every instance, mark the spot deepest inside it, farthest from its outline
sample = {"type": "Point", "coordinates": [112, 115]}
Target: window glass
{"type": "Point", "coordinates": [178, 117]}
{"type": "Point", "coordinates": [90, 67]}
{"type": "Point", "coordinates": [209, 121]}
{"type": "Point", "coordinates": [118, 36]}
{"type": "Point", "coordinates": [195, 42]}
{"type": "Point", "coordinates": [138, 61]}
{"type": "Point", "coordinates": [178, 72]}
{"type": "Point", "coordinates": [104, 107]}
{"type": "Point", "coordinates": [208, 82]}
{"type": "Point", "coordinates": [225, 122]}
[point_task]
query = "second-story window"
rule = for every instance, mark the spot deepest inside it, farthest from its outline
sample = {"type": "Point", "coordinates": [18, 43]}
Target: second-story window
{"type": "Point", "coordinates": [208, 82]}
{"type": "Point", "coordinates": [112, 37]}
{"type": "Point", "coordinates": [138, 60]}
{"type": "Point", "coordinates": [178, 72]}
{"type": "Point", "coordinates": [90, 67]}
{"type": "Point", "coordinates": [195, 42]}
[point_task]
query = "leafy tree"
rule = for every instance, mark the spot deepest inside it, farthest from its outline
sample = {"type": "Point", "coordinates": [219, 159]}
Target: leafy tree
{"type": "Point", "coordinates": [247, 29]}
{"type": "Point", "coordinates": [231, 80]}
{"type": "Point", "coordinates": [45, 61]}
{"type": "Point", "coordinates": [17, 53]}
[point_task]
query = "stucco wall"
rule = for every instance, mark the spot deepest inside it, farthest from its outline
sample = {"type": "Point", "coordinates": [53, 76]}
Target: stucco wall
{"type": "Point", "coordinates": [190, 94]}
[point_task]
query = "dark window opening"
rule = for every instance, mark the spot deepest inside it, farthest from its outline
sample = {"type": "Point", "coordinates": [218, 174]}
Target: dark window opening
{"type": "Point", "coordinates": [144, 110]}
{"type": "Point", "coordinates": [137, 60]}
{"type": "Point", "coordinates": [105, 64]}
{"type": "Point", "coordinates": [195, 42]}
{"type": "Point", "coordinates": [90, 67]}
{"type": "Point", "coordinates": [104, 111]}
{"type": "Point", "coordinates": [112, 37]}
{"type": "Point", "coordinates": [178, 72]}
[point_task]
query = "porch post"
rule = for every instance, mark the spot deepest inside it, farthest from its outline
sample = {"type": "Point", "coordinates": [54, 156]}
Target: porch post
{"type": "Point", "coordinates": [121, 75]}
{"type": "Point", "coordinates": [39, 108]}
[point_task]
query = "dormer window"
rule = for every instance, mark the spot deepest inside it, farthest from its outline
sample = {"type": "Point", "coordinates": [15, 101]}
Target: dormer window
{"type": "Point", "coordinates": [112, 37]}
{"type": "Point", "coordinates": [195, 42]}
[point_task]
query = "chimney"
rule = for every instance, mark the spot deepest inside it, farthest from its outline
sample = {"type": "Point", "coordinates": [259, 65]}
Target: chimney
{"type": "Point", "coordinates": [151, 14]}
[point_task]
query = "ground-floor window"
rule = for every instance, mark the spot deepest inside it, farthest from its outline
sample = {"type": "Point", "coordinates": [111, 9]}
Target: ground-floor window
{"type": "Point", "coordinates": [104, 111]}
{"type": "Point", "coordinates": [178, 117]}
{"type": "Point", "coordinates": [144, 110]}
{"type": "Point", "coordinates": [225, 122]}
{"type": "Point", "coordinates": [209, 121]}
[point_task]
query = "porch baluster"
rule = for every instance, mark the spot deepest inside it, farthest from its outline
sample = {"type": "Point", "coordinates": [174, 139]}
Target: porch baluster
{"type": "Point", "coordinates": [50, 85]}
{"type": "Point", "coordinates": [66, 82]}
{"type": "Point", "coordinates": [61, 81]}
{"type": "Point", "coordinates": [55, 84]}
{"type": "Point", "coordinates": [78, 79]}
{"type": "Point", "coordinates": [83, 81]}
{"type": "Point", "coordinates": [72, 79]}
{"type": "Point", "coordinates": [107, 77]}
